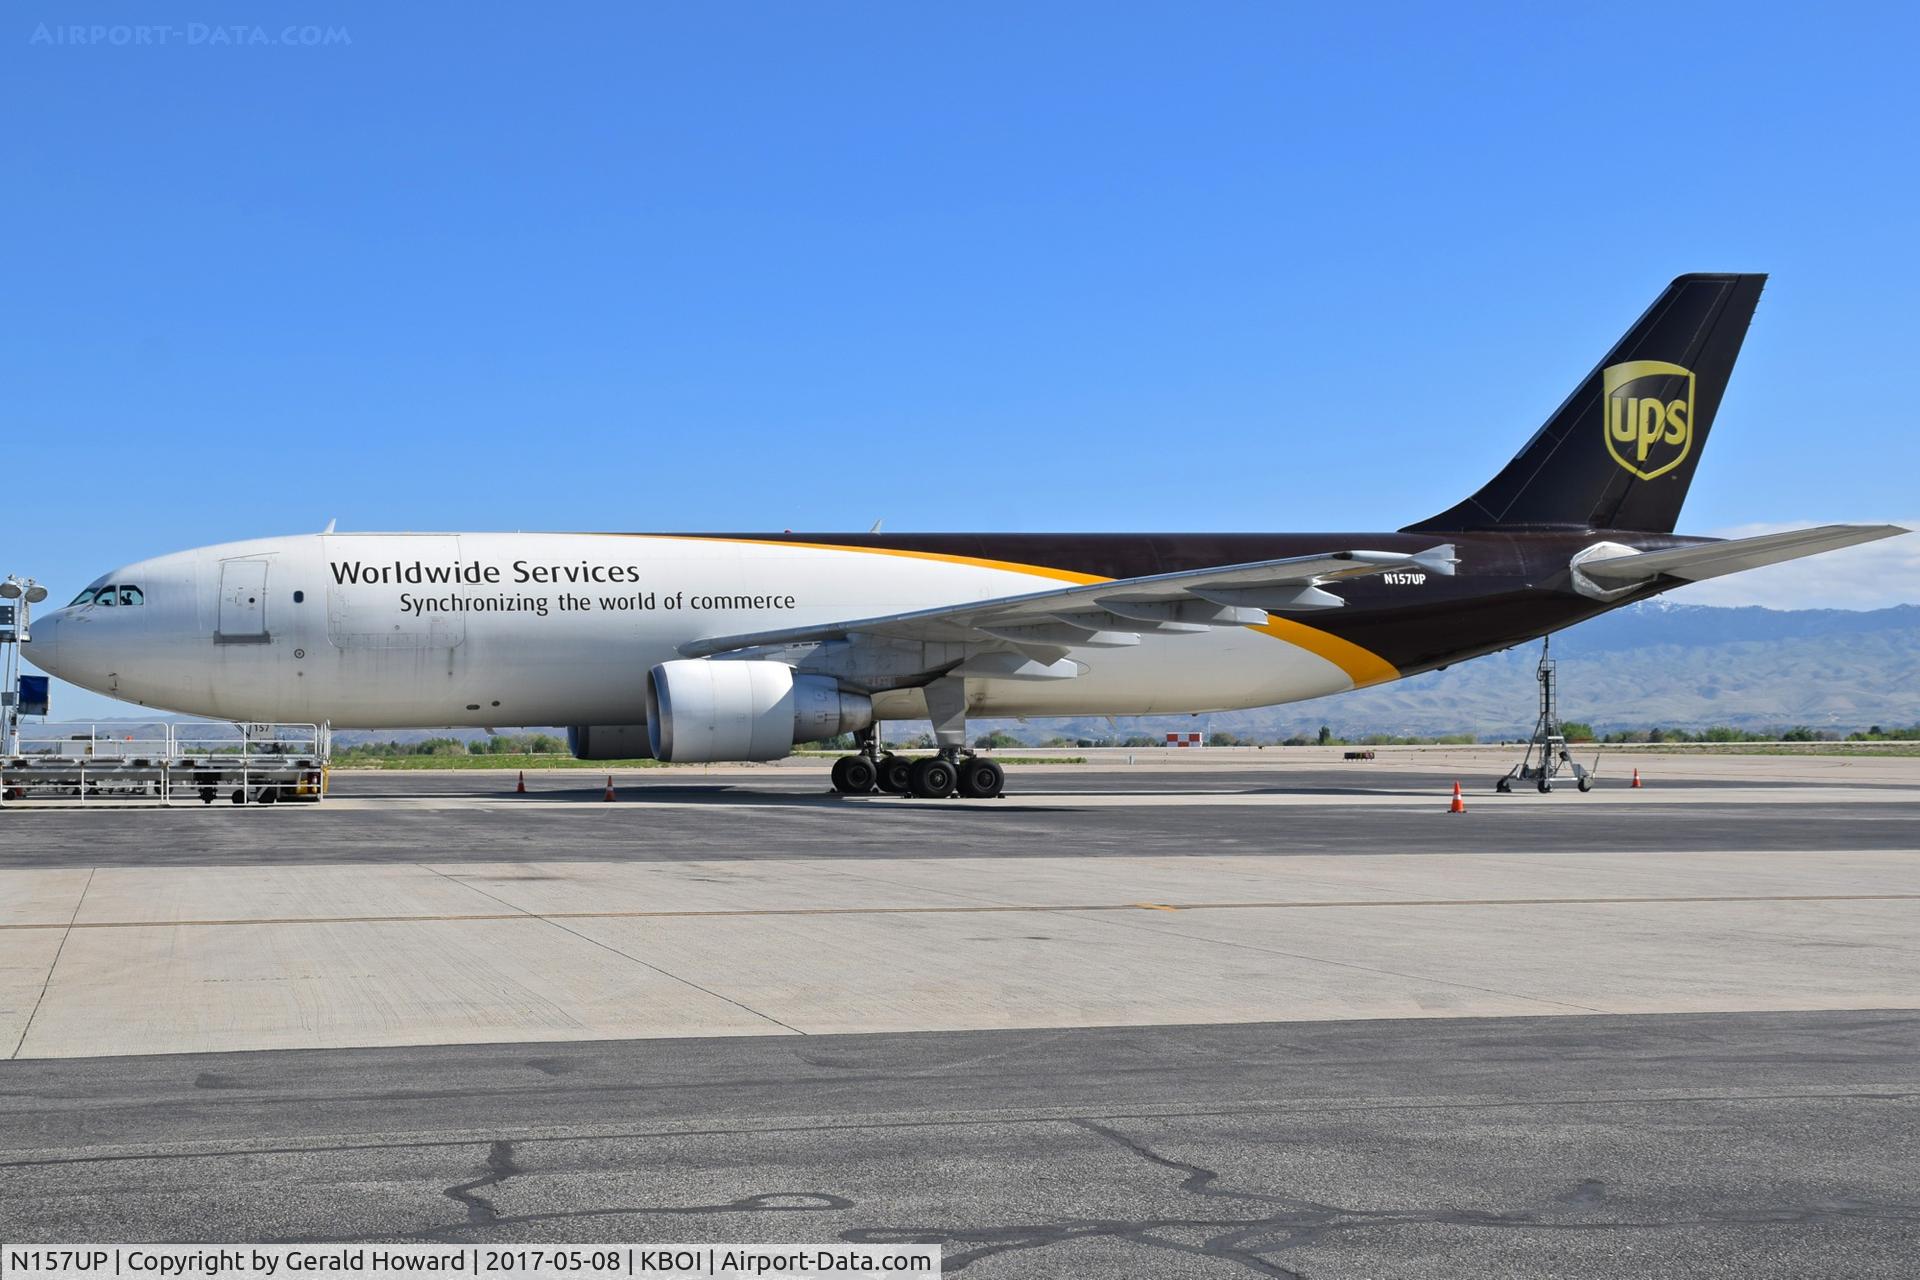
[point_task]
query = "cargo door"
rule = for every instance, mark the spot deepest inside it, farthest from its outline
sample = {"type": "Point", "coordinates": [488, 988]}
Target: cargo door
{"type": "Point", "coordinates": [243, 603]}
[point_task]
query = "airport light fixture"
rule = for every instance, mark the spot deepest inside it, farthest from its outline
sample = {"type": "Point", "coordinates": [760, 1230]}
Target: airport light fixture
{"type": "Point", "coordinates": [18, 588]}
{"type": "Point", "coordinates": [28, 593]}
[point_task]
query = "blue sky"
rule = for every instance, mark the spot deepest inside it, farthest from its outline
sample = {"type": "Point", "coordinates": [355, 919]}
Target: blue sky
{"type": "Point", "coordinates": [1257, 266]}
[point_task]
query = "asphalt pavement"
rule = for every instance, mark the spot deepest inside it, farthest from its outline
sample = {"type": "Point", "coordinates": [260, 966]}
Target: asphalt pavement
{"type": "Point", "coordinates": [1706, 1145]}
{"type": "Point", "coordinates": [675, 815]}
{"type": "Point", "coordinates": [1750, 1111]}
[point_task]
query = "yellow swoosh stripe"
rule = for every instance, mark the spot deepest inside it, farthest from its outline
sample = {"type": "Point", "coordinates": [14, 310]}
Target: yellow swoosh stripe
{"type": "Point", "coordinates": [1036, 570]}
{"type": "Point", "coordinates": [1363, 666]}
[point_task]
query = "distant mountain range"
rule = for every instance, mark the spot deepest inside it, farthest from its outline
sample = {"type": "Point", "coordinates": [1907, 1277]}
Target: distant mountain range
{"type": "Point", "coordinates": [1656, 663]}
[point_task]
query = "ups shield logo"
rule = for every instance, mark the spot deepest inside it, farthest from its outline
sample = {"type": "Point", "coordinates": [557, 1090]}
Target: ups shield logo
{"type": "Point", "coordinates": [1648, 410]}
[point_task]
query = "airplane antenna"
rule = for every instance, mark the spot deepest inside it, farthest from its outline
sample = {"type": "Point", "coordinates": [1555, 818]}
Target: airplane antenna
{"type": "Point", "coordinates": [876, 525]}
{"type": "Point", "coordinates": [330, 524]}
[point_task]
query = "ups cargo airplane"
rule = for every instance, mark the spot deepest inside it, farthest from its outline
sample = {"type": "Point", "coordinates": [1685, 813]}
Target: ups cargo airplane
{"type": "Point", "coordinates": [737, 646]}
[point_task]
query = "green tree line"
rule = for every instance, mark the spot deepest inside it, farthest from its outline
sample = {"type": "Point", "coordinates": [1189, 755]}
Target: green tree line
{"type": "Point", "coordinates": [500, 744]}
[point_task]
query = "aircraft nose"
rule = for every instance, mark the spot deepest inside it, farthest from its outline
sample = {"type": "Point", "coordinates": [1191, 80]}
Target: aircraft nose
{"type": "Point", "coordinates": [42, 646]}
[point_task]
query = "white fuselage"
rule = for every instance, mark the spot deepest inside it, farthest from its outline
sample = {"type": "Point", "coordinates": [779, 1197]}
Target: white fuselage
{"type": "Point", "coordinates": [490, 629]}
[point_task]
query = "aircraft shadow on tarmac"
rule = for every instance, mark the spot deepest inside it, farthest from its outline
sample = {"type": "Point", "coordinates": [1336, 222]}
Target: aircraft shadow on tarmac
{"type": "Point", "coordinates": [731, 794]}
{"type": "Point", "coordinates": [736, 795]}
{"type": "Point", "coordinates": [726, 794]}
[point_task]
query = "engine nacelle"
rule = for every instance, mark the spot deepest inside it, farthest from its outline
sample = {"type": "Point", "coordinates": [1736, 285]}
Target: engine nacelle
{"type": "Point", "coordinates": [609, 742]}
{"type": "Point", "coordinates": [703, 709]}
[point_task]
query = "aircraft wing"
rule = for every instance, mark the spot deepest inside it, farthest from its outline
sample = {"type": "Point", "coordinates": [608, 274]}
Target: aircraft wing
{"type": "Point", "coordinates": [1113, 614]}
{"type": "Point", "coordinates": [1714, 559]}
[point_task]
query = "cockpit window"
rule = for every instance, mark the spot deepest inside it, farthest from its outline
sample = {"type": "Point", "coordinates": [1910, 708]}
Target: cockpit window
{"type": "Point", "coordinates": [110, 596]}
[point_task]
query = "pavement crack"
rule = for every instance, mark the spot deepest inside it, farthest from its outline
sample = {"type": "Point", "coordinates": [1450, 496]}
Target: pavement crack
{"type": "Point", "coordinates": [624, 955]}
{"type": "Point", "coordinates": [1199, 1180]}
{"type": "Point", "coordinates": [1293, 1222]}
{"type": "Point", "coordinates": [499, 1167]}
{"type": "Point", "coordinates": [55, 964]}
{"type": "Point", "coordinates": [481, 1213]}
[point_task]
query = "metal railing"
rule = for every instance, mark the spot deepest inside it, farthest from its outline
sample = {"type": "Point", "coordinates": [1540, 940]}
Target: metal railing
{"type": "Point", "coordinates": [168, 763]}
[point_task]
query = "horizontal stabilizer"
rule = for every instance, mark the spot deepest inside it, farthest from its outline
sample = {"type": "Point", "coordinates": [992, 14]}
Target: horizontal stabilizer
{"type": "Point", "coordinates": [1716, 559]}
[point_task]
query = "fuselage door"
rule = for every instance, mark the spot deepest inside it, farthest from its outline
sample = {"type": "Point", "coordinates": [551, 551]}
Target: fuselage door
{"type": "Point", "coordinates": [243, 602]}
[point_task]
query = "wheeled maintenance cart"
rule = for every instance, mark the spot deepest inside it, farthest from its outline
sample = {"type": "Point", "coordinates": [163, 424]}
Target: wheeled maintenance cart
{"type": "Point", "coordinates": [189, 762]}
{"type": "Point", "coordinates": [1548, 741]}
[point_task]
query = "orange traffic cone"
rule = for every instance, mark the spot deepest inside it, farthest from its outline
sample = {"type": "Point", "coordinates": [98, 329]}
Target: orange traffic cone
{"type": "Point", "coordinates": [1458, 805]}
{"type": "Point", "coordinates": [609, 787]}
{"type": "Point", "coordinates": [1636, 778]}
{"type": "Point", "coordinates": [521, 787]}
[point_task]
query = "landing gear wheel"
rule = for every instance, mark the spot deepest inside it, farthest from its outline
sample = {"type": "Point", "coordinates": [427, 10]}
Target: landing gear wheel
{"type": "Point", "coordinates": [1504, 786]}
{"type": "Point", "coordinates": [853, 775]}
{"type": "Point", "coordinates": [981, 779]}
{"type": "Point", "coordinates": [1545, 786]}
{"type": "Point", "coordinates": [1586, 785]}
{"type": "Point", "coordinates": [893, 774]}
{"type": "Point", "coordinates": [932, 778]}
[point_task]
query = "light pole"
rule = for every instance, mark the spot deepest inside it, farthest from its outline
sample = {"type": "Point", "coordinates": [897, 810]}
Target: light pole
{"type": "Point", "coordinates": [15, 620]}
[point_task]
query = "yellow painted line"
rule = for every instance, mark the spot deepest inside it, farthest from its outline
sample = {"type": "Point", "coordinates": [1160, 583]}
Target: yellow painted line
{"type": "Point", "coordinates": [757, 912]}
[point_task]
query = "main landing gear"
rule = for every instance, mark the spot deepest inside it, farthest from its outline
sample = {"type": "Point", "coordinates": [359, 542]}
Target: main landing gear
{"type": "Point", "coordinates": [951, 771]}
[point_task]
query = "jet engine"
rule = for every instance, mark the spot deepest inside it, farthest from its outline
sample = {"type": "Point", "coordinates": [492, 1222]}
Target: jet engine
{"type": "Point", "coordinates": [719, 709]}
{"type": "Point", "coordinates": [609, 742]}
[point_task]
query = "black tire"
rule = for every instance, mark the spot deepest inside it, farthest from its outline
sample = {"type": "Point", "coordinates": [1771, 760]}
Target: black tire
{"type": "Point", "coordinates": [853, 775]}
{"type": "Point", "coordinates": [894, 775]}
{"type": "Point", "coordinates": [1586, 784]}
{"type": "Point", "coordinates": [932, 778]}
{"type": "Point", "coordinates": [239, 795]}
{"type": "Point", "coordinates": [981, 779]}
{"type": "Point", "coordinates": [1546, 785]}
{"type": "Point", "coordinates": [1503, 786]}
